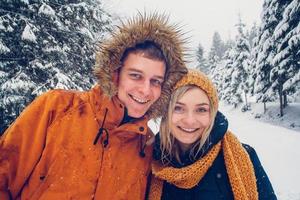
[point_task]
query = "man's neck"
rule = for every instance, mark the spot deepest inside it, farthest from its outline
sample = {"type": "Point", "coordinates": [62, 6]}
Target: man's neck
{"type": "Point", "coordinates": [127, 118]}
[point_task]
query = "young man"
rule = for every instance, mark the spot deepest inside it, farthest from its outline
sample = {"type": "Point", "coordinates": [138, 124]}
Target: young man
{"type": "Point", "coordinates": [92, 145]}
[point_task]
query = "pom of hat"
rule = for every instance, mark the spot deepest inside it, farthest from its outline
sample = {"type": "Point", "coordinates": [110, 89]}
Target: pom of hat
{"type": "Point", "coordinates": [195, 77]}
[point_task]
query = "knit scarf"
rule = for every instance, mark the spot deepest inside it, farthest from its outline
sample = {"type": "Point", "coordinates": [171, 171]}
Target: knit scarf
{"type": "Point", "coordinates": [238, 165]}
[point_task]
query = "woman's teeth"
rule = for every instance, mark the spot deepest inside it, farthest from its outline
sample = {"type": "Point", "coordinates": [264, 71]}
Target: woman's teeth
{"type": "Point", "coordinates": [190, 130]}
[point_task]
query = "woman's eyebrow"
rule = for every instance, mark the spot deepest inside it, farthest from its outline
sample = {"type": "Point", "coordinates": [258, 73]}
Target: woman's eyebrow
{"type": "Point", "coordinates": [202, 104]}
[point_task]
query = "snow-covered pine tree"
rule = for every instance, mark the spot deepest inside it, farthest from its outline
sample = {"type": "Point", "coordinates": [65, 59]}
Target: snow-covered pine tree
{"type": "Point", "coordinates": [229, 44]}
{"type": "Point", "coordinates": [266, 48]}
{"type": "Point", "coordinates": [215, 55]}
{"type": "Point", "coordinates": [201, 61]}
{"type": "Point", "coordinates": [285, 74]}
{"type": "Point", "coordinates": [46, 44]}
{"type": "Point", "coordinates": [217, 47]}
{"type": "Point", "coordinates": [218, 76]}
{"type": "Point", "coordinates": [240, 66]}
{"type": "Point", "coordinates": [252, 67]}
{"type": "Point", "coordinates": [252, 34]}
{"type": "Point", "coordinates": [212, 62]}
{"type": "Point", "coordinates": [225, 92]}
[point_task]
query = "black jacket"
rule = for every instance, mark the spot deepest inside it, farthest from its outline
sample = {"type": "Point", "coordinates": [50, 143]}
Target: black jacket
{"type": "Point", "coordinates": [215, 184]}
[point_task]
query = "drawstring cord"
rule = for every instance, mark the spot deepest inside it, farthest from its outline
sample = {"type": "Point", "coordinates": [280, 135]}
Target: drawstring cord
{"type": "Point", "coordinates": [105, 142]}
{"type": "Point", "coordinates": [142, 146]}
{"type": "Point", "coordinates": [100, 132]}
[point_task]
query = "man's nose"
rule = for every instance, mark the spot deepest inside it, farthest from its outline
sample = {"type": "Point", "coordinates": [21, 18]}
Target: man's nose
{"type": "Point", "coordinates": [145, 88]}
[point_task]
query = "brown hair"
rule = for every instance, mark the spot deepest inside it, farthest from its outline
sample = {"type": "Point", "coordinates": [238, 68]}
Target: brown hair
{"type": "Point", "coordinates": [149, 50]}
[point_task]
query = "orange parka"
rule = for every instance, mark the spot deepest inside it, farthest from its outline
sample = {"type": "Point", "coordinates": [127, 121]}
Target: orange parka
{"type": "Point", "coordinates": [52, 150]}
{"type": "Point", "coordinates": [52, 142]}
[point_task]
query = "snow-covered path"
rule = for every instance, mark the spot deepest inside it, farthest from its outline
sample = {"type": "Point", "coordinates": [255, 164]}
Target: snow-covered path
{"type": "Point", "coordinates": [278, 149]}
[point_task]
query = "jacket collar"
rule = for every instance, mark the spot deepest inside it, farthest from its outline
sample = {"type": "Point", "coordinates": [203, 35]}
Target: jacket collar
{"type": "Point", "coordinates": [115, 113]}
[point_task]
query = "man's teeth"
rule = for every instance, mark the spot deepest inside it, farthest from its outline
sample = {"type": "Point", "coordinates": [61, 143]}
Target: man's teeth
{"type": "Point", "coordinates": [189, 129]}
{"type": "Point", "coordinates": [140, 100]}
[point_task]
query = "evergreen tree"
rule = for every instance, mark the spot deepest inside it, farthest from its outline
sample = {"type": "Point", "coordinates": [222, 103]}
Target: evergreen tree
{"type": "Point", "coordinates": [240, 67]}
{"type": "Point", "coordinates": [202, 63]}
{"type": "Point", "coordinates": [218, 76]}
{"type": "Point", "coordinates": [225, 90]}
{"type": "Point", "coordinates": [266, 49]}
{"type": "Point", "coordinates": [44, 41]}
{"type": "Point", "coordinates": [252, 34]}
{"type": "Point", "coordinates": [229, 44]}
{"type": "Point", "coordinates": [285, 73]}
{"type": "Point", "coordinates": [213, 61]}
{"type": "Point", "coordinates": [215, 54]}
{"type": "Point", "coordinates": [218, 46]}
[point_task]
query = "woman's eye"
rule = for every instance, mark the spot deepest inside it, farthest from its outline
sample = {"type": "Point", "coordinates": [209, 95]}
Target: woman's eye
{"type": "Point", "coordinates": [202, 110]}
{"type": "Point", "coordinates": [178, 109]}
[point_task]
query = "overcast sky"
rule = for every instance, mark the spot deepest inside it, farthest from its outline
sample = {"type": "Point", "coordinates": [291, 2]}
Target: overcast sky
{"type": "Point", "coordinates": [201, 18]}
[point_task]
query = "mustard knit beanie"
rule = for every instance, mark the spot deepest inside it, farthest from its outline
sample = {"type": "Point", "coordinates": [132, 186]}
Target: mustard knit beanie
{"type": "Point", "coordinates": [195, 77]}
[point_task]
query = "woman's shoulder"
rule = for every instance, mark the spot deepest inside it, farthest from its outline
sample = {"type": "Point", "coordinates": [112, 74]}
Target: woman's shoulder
{"type": "Point", "coordinates": [248, 148]}
{"type": "Point", "coordinates": [252, 153]}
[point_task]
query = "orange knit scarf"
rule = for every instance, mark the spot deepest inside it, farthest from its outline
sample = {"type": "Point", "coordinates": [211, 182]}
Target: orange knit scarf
{"type": "Point", "coordinates": [238, 165]}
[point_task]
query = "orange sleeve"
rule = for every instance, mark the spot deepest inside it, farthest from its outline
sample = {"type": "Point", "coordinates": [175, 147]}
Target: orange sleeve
{"type": "Point", "coordinates": [22, 143]}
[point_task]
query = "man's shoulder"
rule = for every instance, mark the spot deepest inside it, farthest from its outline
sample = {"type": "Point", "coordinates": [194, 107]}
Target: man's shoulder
{"type": "Point", "coordinates": [60, 101]}
{"type": "Point", "coordinates": [61, 96]}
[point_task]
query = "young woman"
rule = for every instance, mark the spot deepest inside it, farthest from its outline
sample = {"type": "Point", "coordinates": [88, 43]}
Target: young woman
{"type": "Point", "coordinates": [196, 157]}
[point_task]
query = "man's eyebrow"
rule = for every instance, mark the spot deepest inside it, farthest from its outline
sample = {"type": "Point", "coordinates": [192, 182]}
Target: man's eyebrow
{"type": "Point", "coordinates": [135, 70]}
{"type": "Point", "coordinates": [139, 71]}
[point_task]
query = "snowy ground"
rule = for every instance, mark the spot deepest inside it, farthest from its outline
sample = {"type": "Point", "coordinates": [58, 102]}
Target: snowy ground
{"type": "Point", "coordinates": [277, 147]}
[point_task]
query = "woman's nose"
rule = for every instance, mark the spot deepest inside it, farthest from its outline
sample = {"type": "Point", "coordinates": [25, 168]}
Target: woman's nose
{"type": "Point", "coordinates": [189, 118]}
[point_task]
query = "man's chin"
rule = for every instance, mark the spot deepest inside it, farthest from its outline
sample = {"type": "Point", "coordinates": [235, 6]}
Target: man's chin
{"type": "Point", "coordinates": [136, 114]}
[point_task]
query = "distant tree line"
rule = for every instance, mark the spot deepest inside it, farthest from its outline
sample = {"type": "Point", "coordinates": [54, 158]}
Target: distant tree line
{"type": "Point", "coordinates": [263, 61]}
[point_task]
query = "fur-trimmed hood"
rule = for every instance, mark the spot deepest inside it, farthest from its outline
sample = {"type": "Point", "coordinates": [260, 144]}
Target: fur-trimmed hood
{"type": "Point", "coordinates": [143, 27]}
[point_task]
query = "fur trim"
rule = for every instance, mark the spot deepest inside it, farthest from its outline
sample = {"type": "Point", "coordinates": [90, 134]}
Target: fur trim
{"type": "Point", "coordinates": [153, 27]}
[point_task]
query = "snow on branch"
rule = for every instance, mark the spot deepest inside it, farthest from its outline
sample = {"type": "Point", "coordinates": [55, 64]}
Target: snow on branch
{"type": "Point", "coordinates": [28, 34]}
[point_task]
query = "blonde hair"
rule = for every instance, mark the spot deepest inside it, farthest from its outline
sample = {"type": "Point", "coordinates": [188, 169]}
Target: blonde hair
{"type": "Point", "coordinates": [168, 144]}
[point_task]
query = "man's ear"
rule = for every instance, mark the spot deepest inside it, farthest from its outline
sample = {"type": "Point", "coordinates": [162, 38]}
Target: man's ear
{"type": "Point", "coordinates": [115, 77]}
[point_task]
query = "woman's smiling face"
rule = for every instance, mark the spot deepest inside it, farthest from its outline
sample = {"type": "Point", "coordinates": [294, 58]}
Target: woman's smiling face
{"type": "Point", "coordinates": [191, 117]}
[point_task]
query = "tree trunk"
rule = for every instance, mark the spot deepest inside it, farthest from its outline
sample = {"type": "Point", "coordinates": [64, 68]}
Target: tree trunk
{"type": "Point", "coordinates": [280, 99]}
{"type": "Point", "coordinates": [284, 100]}
{"type": "Point", "coordinates": [246, 100]}
{"type": "Point", "coordinates": [265, 107]}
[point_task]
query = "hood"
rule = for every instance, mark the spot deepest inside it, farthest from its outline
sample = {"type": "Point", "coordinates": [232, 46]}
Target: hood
{"type": "Point", "coordinates": [198, 78]}
{"type": "Point", "coordinates": [143, 27]}
{"type": "Point", "coordinates": [217, 133]}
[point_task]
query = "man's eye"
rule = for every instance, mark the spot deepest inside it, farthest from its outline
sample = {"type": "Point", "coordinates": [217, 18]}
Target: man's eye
{"type": "Point", "coordinates": [135, 76]}
{"type": "Point", "coordinates": [156, 82]}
